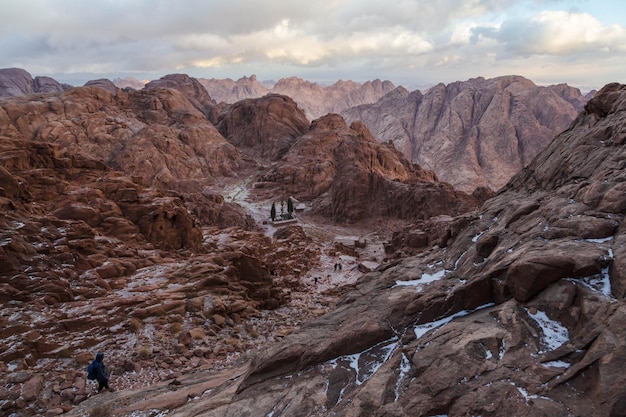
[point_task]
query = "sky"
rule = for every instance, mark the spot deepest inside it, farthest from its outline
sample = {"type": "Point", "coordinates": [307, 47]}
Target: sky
{"type": "Point", "coordinates": [409, 42]}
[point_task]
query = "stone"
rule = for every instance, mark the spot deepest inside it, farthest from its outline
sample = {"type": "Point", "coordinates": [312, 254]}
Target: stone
{"type": "Point", "coordinates": [32, 388]}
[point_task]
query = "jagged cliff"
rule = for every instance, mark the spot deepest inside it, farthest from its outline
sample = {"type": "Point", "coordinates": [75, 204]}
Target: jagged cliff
{"type": "Point", "coordinates": [473, 133]}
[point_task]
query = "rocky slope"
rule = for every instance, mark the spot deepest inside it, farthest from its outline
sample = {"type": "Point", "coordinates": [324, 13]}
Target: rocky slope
{"type": "Point", "coordinates": [266, 127]}
{"type": "Point", "coordinates": [118, 233]}
{"type": "Point", "coordinates": [521, 313]}
{"type": "Point", "coordinates": [157, 134]}
{"type": "Point", "coordinates": [316, 100]}
{"type": "Point", "coordinates": [474, 133]}
{"type": "Point", "coordinates": [18, 82]}
{"type": "Point", "coordinates": [158, 272]}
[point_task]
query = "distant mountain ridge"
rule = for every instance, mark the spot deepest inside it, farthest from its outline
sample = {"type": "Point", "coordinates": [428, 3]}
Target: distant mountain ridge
{"type": "Point", "coordinates": [316, 100]}
{"type": "Point", "coordinates": [472, 133]}
{"type": "Point", "coordinates": [18, 82]}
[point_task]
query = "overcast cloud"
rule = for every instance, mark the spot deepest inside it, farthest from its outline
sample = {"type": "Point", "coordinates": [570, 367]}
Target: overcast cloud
{"type": "Point", "coordinates": [410, 42]}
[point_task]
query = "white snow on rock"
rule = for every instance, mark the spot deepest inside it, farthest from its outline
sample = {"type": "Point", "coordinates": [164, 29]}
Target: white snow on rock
{"type": "Point", "coordinates": [366, 363]}
{"type": "Point", "coordinates": [422, 329]}
{"type": "Point", "coordinates": [405, 367]}
{"type": "Point", "coordinates": [424, 279]}
{"type": "Point", "coordinates": [600, 283]}
{"type": "Point", "coordinates": [554, 333]}
{"type": "Point", "coordinates": [556, 364]}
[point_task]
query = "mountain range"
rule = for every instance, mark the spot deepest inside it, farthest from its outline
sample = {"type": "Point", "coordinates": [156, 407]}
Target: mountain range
{"type": "Point", "coordinates": [137, 222]}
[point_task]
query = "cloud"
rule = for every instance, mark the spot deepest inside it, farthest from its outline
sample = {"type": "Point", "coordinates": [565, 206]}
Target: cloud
{"type": "Point", "coordinates": [557, 33]}
{"type": "Point", "coordinates": [341, 38]}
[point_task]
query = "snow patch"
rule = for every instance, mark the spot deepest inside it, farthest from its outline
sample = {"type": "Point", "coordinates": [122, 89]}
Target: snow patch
{"type": "Point", "coordinates": [475, 238]}
{"type": "Point", "coordinates": [422, 329]}
{"type": "Point", "coordinates": [405, 367]}
{"type": "Point", "coordinates": [557, 364]}
{"type": "Point", "coordinates": [456, 264]}
{"type": "Point", "coordinates": [367, 363]}
{"type": "Point", "coordinates": [554, 333]}
{"type": "Point", "coordinates": [603, 240]}
{"type": "Point", "coordinates": [426, 278]}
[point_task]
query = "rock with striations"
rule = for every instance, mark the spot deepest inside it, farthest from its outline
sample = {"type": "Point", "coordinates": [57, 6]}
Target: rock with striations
{"type": "Point", "coordinates": [523, 313]}
{"type": "Point", "coordinates": [18, 82]}
{"type": "Point", "coordinates": [473, 134]}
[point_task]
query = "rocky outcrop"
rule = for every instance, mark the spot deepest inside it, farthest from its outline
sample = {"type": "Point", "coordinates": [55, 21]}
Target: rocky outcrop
{"type": "Point", "coordinates": [104, 84]}
{"type": "Point", "coordinates": [154, 134]}
{"type": "Point", "coordinates": [192, 90]}
{"type": "Point", "coordinates": [521, 314]}
{"type": "Point", "coordinates": [352, 177]}
{"type": "Point", "coordinates": [317, 100]}
{"type": "Point", "coordinates": [473, 134]}
{"type": "Point", "coordinates": [268, 126]}
{"type": "Point", "coordinates": [18, 82]}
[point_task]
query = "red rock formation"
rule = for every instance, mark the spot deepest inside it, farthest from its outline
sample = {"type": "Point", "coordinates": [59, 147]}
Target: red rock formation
{"type": "Point", "coordinates": [476, 133]}
{"type": "Point", "coordinates": [192, 90]}
{"type": "Point", "coordinates": [352, 177]}
{"type": "Point", "coordinates": [268, 126]}
{"type": "Point", "coordinates": [156, 134]}
{"type": "Point", "coordinates": [99, 253]}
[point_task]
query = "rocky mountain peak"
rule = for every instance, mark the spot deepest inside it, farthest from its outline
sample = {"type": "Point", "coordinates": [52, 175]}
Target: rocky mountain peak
{"type": "Point", "coordinates": [269, 124]}
{"type": "Point", "coordinates": [192, 89]}
{"type": "Point", "coordinates": [18, 82]}
{"type": "Point", "coordinates": [476, 133]}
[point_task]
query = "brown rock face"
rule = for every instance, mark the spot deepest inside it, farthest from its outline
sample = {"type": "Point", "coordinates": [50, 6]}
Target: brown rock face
{"type": "Point", "coordinates": [192, 90]}
{"type": "Point", "coordinates": [472, 134]}
{"type": "Point", "coordinates": [523, 313]}
{"type": "Point", "coordinates": [268, 126]}
{"type": "Point", "coordinates": [352, 177]}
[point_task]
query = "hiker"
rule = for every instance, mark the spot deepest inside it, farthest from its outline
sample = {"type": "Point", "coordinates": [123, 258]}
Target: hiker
{"type": "Point", "coordinates": [97, 371]}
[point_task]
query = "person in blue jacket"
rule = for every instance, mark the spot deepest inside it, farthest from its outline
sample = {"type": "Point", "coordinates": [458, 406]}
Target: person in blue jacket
{"type": "Point", "coordinates": [100, 372]}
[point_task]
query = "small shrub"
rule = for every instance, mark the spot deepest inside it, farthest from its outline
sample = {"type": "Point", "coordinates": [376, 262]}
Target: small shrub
{"type": "Point", "coordinates": [175, 328]}
{"type": "Point", "coordinates": [144, 353]}
{"type": "Point", "coordinates": [135, 325]}
{"type": "Point", "coordinates": [100, 411]}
